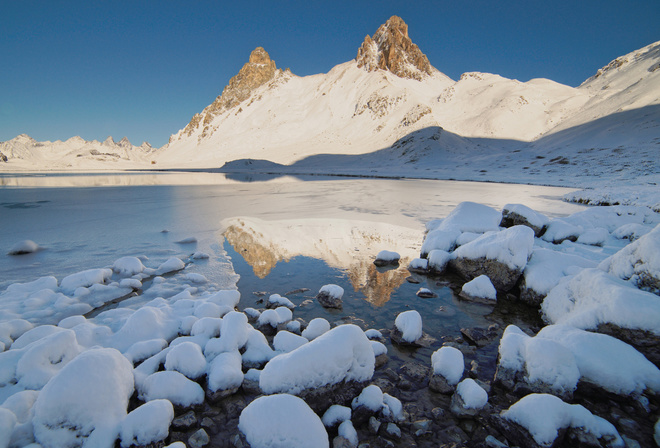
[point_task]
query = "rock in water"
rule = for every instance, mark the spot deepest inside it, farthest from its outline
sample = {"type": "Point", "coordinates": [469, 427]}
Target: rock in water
{"type": "Point", "coordinates": [329, 296]}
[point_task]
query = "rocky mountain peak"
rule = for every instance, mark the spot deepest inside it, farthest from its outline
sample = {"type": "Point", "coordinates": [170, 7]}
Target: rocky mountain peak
{"type": "Point", "coordinates": [391, 49]}
{"type": "Point", "coordinates": [259, 69]}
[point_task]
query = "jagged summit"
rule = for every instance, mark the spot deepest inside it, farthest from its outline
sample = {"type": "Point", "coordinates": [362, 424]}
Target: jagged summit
{"type": "Point", "coordinates": [259, 69]}
{"type": "Point", "coordinates": [391, 49]}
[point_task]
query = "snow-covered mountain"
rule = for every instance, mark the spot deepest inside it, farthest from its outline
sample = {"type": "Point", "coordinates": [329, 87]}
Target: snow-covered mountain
{"type": "Point", "coordinates": [391, 103]}
{"type": "Point", "coordinates": [390, 112]}
{"type": "Point", "coordinates": [25, 152]}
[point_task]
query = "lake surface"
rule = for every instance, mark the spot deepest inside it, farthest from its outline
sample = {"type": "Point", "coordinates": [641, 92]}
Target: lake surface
{"type": "Point", "coordinates": [283, 235]}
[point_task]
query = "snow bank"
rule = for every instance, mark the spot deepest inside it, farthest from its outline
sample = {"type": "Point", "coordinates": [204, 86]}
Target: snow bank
{"type": "Point", "coordinates": [593, 297]}
{"type": "Point", "coordinates": [638, 262]}
{"type": "Point", "coordinates": [511, 247]}
{"type": "Point", "coordinates": [471, 217]}
{"type": "Point", "coordinates": [546, 268]}
{"type": "Point", "coordinates": [545, 415]}
{"type": "Point", "coordinates": [409, 323]}
{"type": "Point", "coordinates": [87, 399]}
{"type": "Point", "coordinates": [282, 420]}
{"type": "Point", "coordinates": [480, 287]}
{"type": "Point", "coordinates": [342, 354]}
{"type": "Point", "coordinates": [448, 362]}
{"type": "Point", "coordinates": [147, 424]}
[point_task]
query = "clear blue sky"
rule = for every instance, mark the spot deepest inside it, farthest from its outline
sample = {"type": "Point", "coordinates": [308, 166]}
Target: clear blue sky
{"type": "Point", "coordinates": [142, 68]}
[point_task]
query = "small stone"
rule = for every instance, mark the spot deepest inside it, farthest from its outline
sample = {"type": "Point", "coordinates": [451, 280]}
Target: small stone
{"type": "Point", "coordinates": [392, 431]}
{"type": "Point", "coordinates": [426, 293]}
{"type": "Point", "coordinates": [330, 296]}
{"type": "Point", "coordinates": [438, 413]}
{"type": "Point", "coordinates": [492, 442]}
{"type": "Point", "coordinates": [374, 425]}
{"type": "Point", "coordinates": [199, 439]}
{"type": "Point", "coordinates": [209, 424]}
{"type": "Point", "coordinates": [342, 442]}
{"type": "Point", "coordinates": [421, 427]}
{"type": "Point", "coordinates": [185, 421]}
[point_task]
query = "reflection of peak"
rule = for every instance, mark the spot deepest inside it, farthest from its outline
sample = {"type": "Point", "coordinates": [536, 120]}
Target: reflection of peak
{"type": "Point", "coordinates": [342, 244]}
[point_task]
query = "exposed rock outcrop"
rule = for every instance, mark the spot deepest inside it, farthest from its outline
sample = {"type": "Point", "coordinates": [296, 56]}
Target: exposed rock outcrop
{"type": "Point", "coordinates": [256, 72]}
{"type": "Point", "coordinates": [391, 49]}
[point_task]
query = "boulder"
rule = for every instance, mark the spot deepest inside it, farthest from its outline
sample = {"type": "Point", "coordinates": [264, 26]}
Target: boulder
{"type": "Point", "coordinates": [518, 214]}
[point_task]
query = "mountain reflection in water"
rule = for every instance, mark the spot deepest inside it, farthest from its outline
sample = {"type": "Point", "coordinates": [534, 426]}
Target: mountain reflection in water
{"type": "Point", "coordinates": [347, 245]}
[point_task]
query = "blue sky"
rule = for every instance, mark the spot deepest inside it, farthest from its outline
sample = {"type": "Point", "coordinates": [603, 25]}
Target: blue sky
{"type": "Point", "coordinates": [141, 69]}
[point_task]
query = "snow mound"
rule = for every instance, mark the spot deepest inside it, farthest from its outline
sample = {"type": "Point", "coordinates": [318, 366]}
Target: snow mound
{"type": "Point", "coordinates": [544, 416]}
{"type": "Point", "coordinates": [639, 262]}
{"type": "Point", "coordinates": [187, 359]}
{"type": "Point", "coordinates": [282, 420]}
{"type": "Point", "coordinates": [316, 328]}
{"type": "Point", "coordinates": [512, 247]}
{"type": "Point", "coordinates": [147, 424]}
{"type": "Point", "coordinates": [448, 362]}
{"type": "Point", "coordinates": [473, 395]}
{"type": "Point", "coordinates": [593, 297]}
{"type": "Point", "coordinates": [471, 217]}
{"type": "Point", "coordinates": [225, 372]}
{"type": "Point", "coordinates": [409, 323]}
{"type": "Point", "coordinates": [127, 266]}
{"type": "Point", "coordinates": [439, 240]}
{"type": "Point", "coordinates": [336, 414]}
{"type": "Point", "coordinates": [341, 354]}
{"type": "Point", "coordinates": [23, 247]}
{"type": "Point", "coordinates": [85, 401]}
{"type": "Point", "coordinates": [172, 386]}
{"type": "Point", "coordinates": [480, 287]}
{"type": "Point", "coordinates": [84, 279]}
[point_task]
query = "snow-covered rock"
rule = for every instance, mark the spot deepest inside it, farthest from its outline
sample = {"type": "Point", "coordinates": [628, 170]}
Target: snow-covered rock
{"type": "Point", "coordinates": [438, 260]}
{"type": "Point", "coordinates": [501, 255]}
{"type": "Point", "coordinates": [438, 239]}
{"type": "Point", "coordinates": [225, 375]}
{"type": "Point", "coordinates": [519, 214]}
{"type": "Point", "coordinates": [407, 328]}
{"type": "Point", "coordinates": [595, 300]}
{"type": "Point", "coordinates": [330, 296]}
{"type": "Point", "coordinates": [539, 419]}
{"type": "Point", "coordinates": [386, 258]}
{"type": "Point", "coordinates": [316, 328]}
{"type": "Point", "coordinates": [85, 402]}
{"type": "Point", "coordinates": [186, 358]}
{"type": "Point", "coordinates": [479, 288]}
{"type": "Point", "coordinates": [147, 424]}
{"type": "Point", "coordinates": [468, 399]}
{"type": "Point", "coordinates": [172, 386]}
{"type": "Point", "coordinates": [342, 354]}
{"type": "Point", "coordinates": [275, 300]}
{"type": "Point", "coordinates": [558, 357]}
{"type": "Point", "coordinates": [639, 262]}
{"type": "Point", "coordinates": [282, 419]}
{"type": "Point", "coordinates": [23, 247]}
{"type": "Point", "coordinates": [448, 366]}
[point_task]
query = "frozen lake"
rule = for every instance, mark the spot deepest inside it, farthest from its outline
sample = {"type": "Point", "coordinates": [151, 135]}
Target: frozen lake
{"type": "Point", "coordinates": [279, 235]}
{"type": "Point", "coordinates": [90, 220]}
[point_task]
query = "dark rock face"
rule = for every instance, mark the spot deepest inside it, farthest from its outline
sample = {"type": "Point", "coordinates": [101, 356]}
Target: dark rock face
{"type": "Point", "coordinates": [3, 158]}
{"type": "Point", "coordinates": [391, 49]}
{"type": "Point", "coordinates": [502, 276]}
